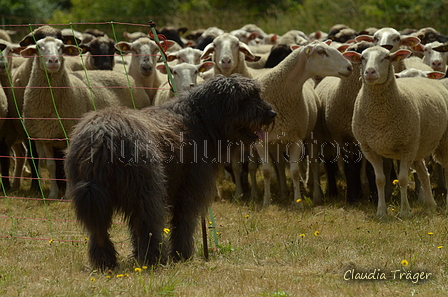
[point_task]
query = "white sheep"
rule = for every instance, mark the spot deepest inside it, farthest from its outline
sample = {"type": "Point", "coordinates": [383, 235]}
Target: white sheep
{"type": "Point", "coordinates": [288, 88]}
{"type": "Point", "coordinates": [229, 55]}
{"type": "Point", "coordinates": [412, 72]}
{"type": "Point", "coordinates": [185, 77]}
{"type": "Point", "coordinates": [404, 119]}
{"type": "Point", "coordinates": [55, 98]}
{"type": "Point", "coordinates": [144, 56]}
{"type": "Point", "coordinates": [8, 134]}
{"type": "Point", "coordinates": [294, 37]}
{"type": "Point", "coordinates": [435, 59]}
{"type": "Point", "coordinates": [392, 40]}
{"type": "Point", "coordinates": [338, 97]}
{"type": "Point", "coordinates": [186, 55]}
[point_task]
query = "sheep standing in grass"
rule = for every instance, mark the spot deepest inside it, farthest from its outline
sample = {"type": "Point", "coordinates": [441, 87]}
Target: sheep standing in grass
{"type": "Point", "coordinates": [8, 136]}
{"type": "Point", "coordinates": [230, 56]}
{"type": "Point", "coordinates": [55, 93]}
{"type": "Point", "coordinates": [338, 96]}
{"type": "Point", "coordinates": [404, 119]}
{"type": "Point", "coordinates": [288, 88]}
{"type": "Point", "coordinates": [143, 64]}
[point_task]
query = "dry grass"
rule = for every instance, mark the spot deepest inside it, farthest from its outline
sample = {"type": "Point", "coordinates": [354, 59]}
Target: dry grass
{"type": "Point", "coordinates": [268, 252]}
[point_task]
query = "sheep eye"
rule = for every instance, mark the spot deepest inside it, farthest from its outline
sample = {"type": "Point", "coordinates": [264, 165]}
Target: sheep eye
{"type": "Point", "coordinates": [174, 72]}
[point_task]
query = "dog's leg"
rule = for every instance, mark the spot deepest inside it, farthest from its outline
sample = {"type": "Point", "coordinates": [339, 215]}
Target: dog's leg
{"type": "Point", "coordinates": [183, 226]}
{"type": "Point", "coordinates": [146, 232]}
{"type": "Point", "coordinates": [94, 210]}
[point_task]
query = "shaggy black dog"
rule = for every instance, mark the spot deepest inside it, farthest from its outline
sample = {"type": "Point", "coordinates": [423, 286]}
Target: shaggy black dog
{"type": "Point", "coordinates": [159, 164]}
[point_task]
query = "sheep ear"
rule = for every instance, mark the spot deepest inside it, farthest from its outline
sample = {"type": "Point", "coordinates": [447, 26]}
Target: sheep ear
{"type": "Point", "coordinates": [205, 66]}
{"type": "Point", "coordinates": [169, 43]}
{"type": "Point", "coordinates": [29, 52]}
{"type": "Point", "coordinates": [71, 50]}
{"type": "Point", "coordinates": [17, 49]}
{"type": "Point", "coordinates": [419, 48]}
{"type": "Point", "coordinates": [441, 48]}
{"type": "Point", "coordinates": [84, 48]}
{"type": "Point", "coordinates": [255, 59]}
{"type": "Point", "coordinates": [124, 46]}
{"type": "Point", "coordinates": [343, 48]}
{"type": "Point", "coordinates": [364, 38]}
{"type": "Point", "coordinates": [27, 40]}
{"type": "Point", "coordinates": [409, 41]}
{"type": "Point", "coordinates": [70, 39]}
{"type": "Point", "coordinates": [293, 47]}
{"type": "Point", "coordinates": [210, 48]}
{"type": "Point", "coordinates": [244, 48]}
{"type": "Point", "coordinates": [328, 41]}
{"type": "Point", "coordinates": [309, 49]}
{"type": "Point", "coordinates": [435, 74]}
{"type": "Point", "coordinates": [353, 57]}
{"type": "Point", "coordinates": [171, 57]}
{"type": "Point", "coordinates": [400, 55]}
{"type": "Point", "coordinates": [162, 69]}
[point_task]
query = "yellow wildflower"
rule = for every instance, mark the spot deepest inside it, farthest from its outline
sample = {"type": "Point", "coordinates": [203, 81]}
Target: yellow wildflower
{"type": "Point", "coordinates": [246, 216]}
{"type": "Point", "coordinates": [120, 275]}
{"type": "Point", "coordinates": [107, 276]}
{"type": "Point", "coordinates": [439, 247]}
{"type": "Point", "coordinates": [404, 263]}
{"type": "Point", "coordinates": [395, 181]}
{"type": "Point", "coordinates": [145, 267]}
{"type": "Point", "coordinates": [430, 233]}
{"type": "Point", "coordinates": [137, 269]}
{"type": "Point", "coordinates": [50, 241]}
{"type": "Point", "coordinates": [166, 230]}
{"type": "Point", "coordinates": [316, 233]}
{"type": "Point", "coordinates": [92, 279]}
{"type": "Point", "coordinates": [299, 200]}
{"type": "Point", "coordinates": [302, 235]}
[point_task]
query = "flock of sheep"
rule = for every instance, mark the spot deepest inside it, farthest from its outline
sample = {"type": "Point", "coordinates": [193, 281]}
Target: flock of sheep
{"type": "Point", "coordinates": [342, 98]}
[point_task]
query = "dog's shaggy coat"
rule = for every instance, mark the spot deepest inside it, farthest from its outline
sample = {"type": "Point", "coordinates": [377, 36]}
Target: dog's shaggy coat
{"type": "Point", "coordinates": [159, 163]}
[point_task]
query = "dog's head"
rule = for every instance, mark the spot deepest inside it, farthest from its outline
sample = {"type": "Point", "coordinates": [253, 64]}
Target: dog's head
{"type": "Point", "coordinates": [233, 108]}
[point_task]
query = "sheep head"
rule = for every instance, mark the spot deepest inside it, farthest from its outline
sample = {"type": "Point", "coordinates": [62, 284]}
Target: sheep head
{"type": "Point", "coordinates": [50, 51]}
{"type": "Point", "coordinates": [376, 62]}
{"type": "Point", "coordinates": [226, 49]}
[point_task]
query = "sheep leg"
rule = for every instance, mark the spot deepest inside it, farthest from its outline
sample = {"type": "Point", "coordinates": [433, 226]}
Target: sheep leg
{"type": "Point", "coordinates": [5, 162]}
{"type": "Point", "coordinates": [253, 166]}
{"type": "Point", "coordinates": [281, 176]}
{"type": "Point", "coordinates": [266, 167]}
{"type": "Point", "coordinates": [380, 179]}
{"type": "Point", "coordinates": [405, 208]}
{"type": "Point", "coordinates": [46, 151]}
{"type": "Point", "coordinates": [423, 175]}
{"type": "Point", "coordinates": [20, 153]}
{"type": "Point", "coordinates": [237, 168]}
{"type": "Point", "coordinates": [295, 156]}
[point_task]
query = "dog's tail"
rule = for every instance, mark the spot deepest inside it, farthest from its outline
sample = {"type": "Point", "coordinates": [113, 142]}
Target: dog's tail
{"type": "Point", "coordinates": [93, 207]}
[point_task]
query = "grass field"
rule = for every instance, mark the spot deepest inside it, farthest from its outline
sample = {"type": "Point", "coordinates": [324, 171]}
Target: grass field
{"type": "Point", "coordinates": [276, 251]}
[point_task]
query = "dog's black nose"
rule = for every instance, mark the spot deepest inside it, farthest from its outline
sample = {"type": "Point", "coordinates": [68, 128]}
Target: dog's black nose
{"type": "Point", "coordinates": [272, 114]}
